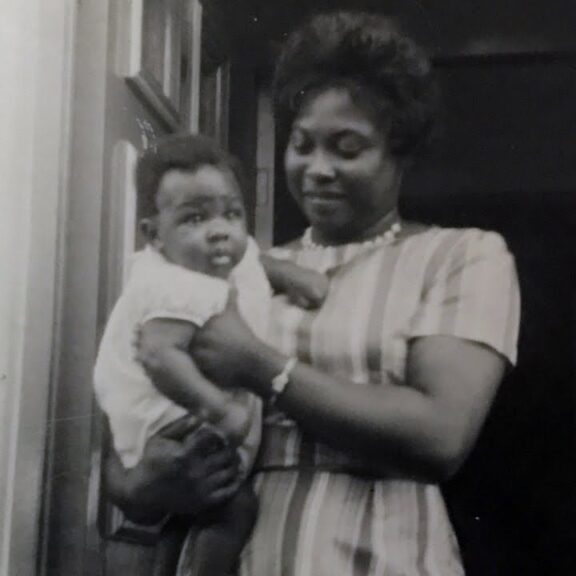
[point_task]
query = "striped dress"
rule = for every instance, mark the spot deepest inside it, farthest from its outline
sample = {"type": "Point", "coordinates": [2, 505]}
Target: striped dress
{"type": "Point", "coordinates": [321, 511]}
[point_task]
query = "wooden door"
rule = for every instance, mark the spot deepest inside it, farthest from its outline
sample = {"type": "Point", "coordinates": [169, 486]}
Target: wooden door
{"type": "Point", "coordinates": [155, 53]}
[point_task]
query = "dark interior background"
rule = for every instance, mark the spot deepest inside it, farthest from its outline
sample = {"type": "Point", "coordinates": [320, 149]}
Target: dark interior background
{"type": "Point", "coordinates": [505, 160]}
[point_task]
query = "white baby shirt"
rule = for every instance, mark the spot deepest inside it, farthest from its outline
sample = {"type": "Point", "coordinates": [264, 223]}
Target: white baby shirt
{"type": "Point", "coordinates": [157, 288]}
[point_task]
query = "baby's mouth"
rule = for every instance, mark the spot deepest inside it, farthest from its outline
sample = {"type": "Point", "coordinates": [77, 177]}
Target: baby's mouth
{"type": "Point", "coordinates": [221, 259]}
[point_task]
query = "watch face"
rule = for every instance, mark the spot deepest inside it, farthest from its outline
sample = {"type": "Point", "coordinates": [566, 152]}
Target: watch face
{"type": "Point", "coordinates": [280, 382]}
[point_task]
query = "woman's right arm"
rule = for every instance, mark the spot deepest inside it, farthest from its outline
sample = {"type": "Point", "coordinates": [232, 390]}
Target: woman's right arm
{"type": "Point", "coordinates": [181, 472]}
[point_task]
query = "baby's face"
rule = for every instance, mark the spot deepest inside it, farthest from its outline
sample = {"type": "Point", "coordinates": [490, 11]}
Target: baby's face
{"type": "Point", "coordinates": [201, 220]}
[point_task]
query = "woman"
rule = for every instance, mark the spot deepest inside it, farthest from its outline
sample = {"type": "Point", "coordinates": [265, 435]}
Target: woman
{"type": "Point", "coordinates": [379, 395]}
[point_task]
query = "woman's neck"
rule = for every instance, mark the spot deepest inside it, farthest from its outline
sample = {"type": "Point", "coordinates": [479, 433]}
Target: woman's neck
{"type": "Point", "coordinates": [379, 228]}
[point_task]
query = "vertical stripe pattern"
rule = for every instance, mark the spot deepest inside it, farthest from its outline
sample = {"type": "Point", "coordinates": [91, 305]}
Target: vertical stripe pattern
{"type": "Point", "coordinates": [316, 517]}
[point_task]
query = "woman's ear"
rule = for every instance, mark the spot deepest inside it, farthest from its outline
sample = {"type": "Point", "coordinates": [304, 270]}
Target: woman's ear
{"type": "Point", "coordinates": [149, 229]}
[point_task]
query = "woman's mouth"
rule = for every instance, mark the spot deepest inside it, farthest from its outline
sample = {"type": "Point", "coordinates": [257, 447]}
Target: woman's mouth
{"type": "Point", "coordinates": [323, 193]}
{"type": "Point", "coordinates": [324, 199]}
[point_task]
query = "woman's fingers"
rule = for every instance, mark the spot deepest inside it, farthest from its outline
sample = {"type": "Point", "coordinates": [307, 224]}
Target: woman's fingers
{"type": "Point", "coordinates": [222, 485]}
{"type": "Point", "coordinates": [185, 468]}
{"type": "Point", "coordinates": [217, 461]}
{"type": "Point", "coordinates": [223, 478]}
{"type": "Point", "coordinates": [220, 495]}
{"type": "Point", "coordinates": [214, 467]}
{"type": "Point", "coordinates": [203, 441]}
{"type": "Point", "coordinates": [213, 479]}
{"type": "Point", "coordinates": [210, 459]}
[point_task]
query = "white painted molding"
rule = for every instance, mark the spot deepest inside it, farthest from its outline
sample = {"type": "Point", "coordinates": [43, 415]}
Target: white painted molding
{"type": "Point", "coordinates": [124, 192]}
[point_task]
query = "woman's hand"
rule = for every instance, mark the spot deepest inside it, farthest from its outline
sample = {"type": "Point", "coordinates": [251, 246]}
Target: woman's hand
{"type": "Point", "coordinates": [182, 471]}
{"type": "Point", "coordinates": [224, 348]}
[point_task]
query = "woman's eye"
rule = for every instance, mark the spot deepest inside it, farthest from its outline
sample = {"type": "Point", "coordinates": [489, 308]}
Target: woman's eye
{"type": "Point", "coordinates": [349, 146]}
{"type": "Point", "coordinates": [300, 143]}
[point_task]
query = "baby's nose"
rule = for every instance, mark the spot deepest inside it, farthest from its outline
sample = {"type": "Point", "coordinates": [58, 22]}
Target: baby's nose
{"type": "Point", "coordinates": [219, 231]}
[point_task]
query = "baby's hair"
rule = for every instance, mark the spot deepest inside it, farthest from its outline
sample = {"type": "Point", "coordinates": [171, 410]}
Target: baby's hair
{"type": "Point", "coordinates": [382, 69]}
{"type": "Point", "coordinates": [187, 152]}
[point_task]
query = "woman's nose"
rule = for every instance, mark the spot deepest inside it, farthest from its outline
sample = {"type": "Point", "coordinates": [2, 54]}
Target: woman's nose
{"type": "Point", "coordinates": [320, 167]}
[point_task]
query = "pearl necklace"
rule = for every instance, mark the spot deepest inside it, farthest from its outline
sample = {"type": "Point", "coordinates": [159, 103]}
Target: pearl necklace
{"type": "Point", "coordinates": [388, 237]}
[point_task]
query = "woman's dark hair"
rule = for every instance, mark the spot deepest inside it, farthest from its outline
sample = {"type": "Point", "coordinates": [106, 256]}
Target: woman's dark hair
{"type": "Point", "coordinates": [187, 152]}
{"type": "Point", "coordinates": [364, 53]}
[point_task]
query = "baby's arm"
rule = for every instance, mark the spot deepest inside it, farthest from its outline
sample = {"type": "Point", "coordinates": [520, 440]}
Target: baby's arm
{"type": "Point", "coordinates": [306, 288]}
{"type": "Point", "coordinates": [163, 351]}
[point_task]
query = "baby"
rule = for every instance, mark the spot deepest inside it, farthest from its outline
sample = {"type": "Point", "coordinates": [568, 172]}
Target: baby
{"type": "Point", "coordinates": [194, 223]}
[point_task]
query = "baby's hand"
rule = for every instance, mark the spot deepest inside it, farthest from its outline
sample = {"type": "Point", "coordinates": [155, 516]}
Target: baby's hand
{"type": "Point", "coordinates": [307, 288]}
{"type": "Point", "coordinates": [304, 287]}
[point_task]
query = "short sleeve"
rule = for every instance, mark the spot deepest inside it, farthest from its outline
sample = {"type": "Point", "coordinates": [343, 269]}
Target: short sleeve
{"type": "Point", "coordinates": [164, 290]}
{"type": "Point", "coordinates": [473, 294]}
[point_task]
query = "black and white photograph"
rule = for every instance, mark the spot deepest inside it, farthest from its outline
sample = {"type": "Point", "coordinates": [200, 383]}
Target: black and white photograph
{"type": "Point", "coordinates": [288, 288]}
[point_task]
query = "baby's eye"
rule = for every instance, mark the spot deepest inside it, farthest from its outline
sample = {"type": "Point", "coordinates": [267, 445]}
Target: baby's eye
{"type": "Point", "coordinates": [193, 218]}
{"type": "Point", "coordinates": [234, 214]}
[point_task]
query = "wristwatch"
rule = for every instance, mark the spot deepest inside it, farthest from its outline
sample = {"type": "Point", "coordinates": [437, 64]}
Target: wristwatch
{"type": "Point", "coordinates": [280, 381]}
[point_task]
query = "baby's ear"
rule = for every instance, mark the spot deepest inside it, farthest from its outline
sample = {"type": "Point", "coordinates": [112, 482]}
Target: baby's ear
{"type": "Point", "coordinates": [149, 228]}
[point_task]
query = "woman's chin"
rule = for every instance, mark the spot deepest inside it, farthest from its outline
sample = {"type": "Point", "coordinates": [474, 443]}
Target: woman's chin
{"type": "Point", "coordinates": [329, 217]}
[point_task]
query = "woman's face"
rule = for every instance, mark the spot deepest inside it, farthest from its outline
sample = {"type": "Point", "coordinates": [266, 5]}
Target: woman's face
{"type": "Point", "coordinates": [339, 168]}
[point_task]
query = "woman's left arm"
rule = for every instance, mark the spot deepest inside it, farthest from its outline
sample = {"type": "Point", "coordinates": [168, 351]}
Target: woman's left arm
{"type": "Point", "coordinates": [423, 429]}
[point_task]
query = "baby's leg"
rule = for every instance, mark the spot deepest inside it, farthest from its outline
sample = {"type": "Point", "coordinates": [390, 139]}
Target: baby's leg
{"type": "Point", "coordinates": [223, 536]}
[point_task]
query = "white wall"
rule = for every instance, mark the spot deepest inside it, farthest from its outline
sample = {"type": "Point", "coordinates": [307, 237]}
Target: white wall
{"type": "Point", "coordinates": [35, 71]}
